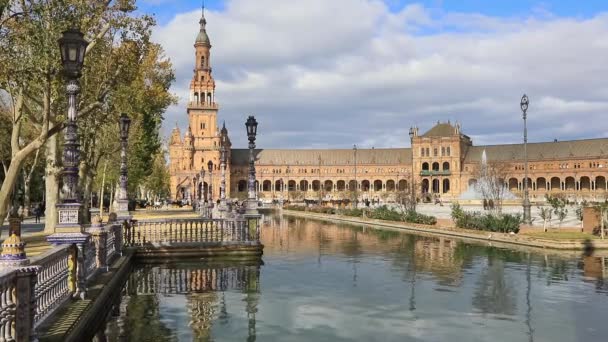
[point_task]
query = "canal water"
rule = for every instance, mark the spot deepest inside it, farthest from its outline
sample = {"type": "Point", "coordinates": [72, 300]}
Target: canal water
{"type": "Point", "coordinates": [335, 282]}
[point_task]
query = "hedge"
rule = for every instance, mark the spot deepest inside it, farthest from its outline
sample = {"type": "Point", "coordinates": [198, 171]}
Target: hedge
{"type": "Point", "coordinates": [504, 223]}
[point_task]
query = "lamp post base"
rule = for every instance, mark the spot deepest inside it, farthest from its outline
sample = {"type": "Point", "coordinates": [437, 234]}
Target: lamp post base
{"type": "Point", "coordinates": [527, 211]}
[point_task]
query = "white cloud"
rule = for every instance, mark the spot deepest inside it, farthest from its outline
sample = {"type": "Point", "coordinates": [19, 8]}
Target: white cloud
{"type": "Point", "coordinates": [335, 73]}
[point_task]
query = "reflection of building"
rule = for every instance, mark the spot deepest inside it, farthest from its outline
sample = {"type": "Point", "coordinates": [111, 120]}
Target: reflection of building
{"type": "Point", "coordinates": [443, 160]}
{"type": "Point", "coordinates": [437, 256]}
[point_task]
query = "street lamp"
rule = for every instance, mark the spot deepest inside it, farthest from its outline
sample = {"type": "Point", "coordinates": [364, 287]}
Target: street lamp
{"type": "Point", "coordinates": [356, 183]}
{"type": "Point", "coordinates": [524, 108]}
{"type": "Point", "coordinates": [201, 193]}
{"type": "Point", "coordinates": [223, 175]}
{"type": "Point", "coordinates": [210, 187]}
{"type": "Point", "coordinates": [72, 46]}
{"type": "Point", "coordinates": [252, 129]}
{"type": "Point", "coordinates": [123, 200]}
{"type": "Point", "coordinates": [287, 171]}
{"type": "Point", "coordinates": [412, 133]}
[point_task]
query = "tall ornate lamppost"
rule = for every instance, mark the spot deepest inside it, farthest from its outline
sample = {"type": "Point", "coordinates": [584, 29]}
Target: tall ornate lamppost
{"type": "Point", "coordinates": [527, 213]}
{"type": "Point", "coordinates": [287, 188]}
{"type": "Point", "coordinates": [356, 183]}
{"type": "Point", "coordinates": [201, 193]}
{"type": "Point", "coordinates": [123, 200]}
{"type": "Point", "coordinates": [412, 188]}
{"type": "Point", "coordinates": [72, 46]}
{"type": "Point", "coordinates": [251, 214]}
{"type": "Point", "coordinates": [222, 207]}
{"type": "Point", "coordinates": [210, 187]}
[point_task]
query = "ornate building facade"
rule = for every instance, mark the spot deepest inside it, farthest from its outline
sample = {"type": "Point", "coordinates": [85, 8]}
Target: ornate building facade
{"type": "Point", "coordinates": [442, 162]}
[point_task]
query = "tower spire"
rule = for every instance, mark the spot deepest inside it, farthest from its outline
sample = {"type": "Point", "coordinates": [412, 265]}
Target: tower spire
{"type": "Point", "coordinates": [202, 37]}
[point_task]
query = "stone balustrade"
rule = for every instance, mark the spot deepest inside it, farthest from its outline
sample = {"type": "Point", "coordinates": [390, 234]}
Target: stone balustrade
{"type": "Point", "coordinates": [53, 279]}
{"type": "Point", "coordinates": [17, 304]}
{"type": "Point", "coordinates": [190, 231]}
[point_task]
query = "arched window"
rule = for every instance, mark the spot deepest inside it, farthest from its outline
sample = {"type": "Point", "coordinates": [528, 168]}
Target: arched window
{"type": "Point", "coordinates": [435, 166]}
{"type": "Point", "coordinates": [435, 152]}
{"type": "Point", "coordinates": [425, 166]}
{"type": "Point", "coordinates": [446, 166]}
{"type": "Point", "coordinates": [446, 186]}
{"type": "Point", "coordinates": [196, 97]}
{"type": "Point", "coordinates": [422, 151]}
{"type": "Point", "coordinates": [209, 98]}
{"type": "Point", "coordinates": [203, 61]}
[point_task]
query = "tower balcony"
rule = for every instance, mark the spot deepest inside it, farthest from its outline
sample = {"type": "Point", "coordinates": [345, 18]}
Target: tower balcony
{"type": "Point", "coordinates": [198, 105]}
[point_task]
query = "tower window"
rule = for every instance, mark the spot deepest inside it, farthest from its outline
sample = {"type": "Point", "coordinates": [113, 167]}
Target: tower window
{"type": "Point", "coordinates": [203, 126]}
{"type": "Point", "coordinates": [202, 78]}
{"type": "Point", "coordinates": [203, 61]}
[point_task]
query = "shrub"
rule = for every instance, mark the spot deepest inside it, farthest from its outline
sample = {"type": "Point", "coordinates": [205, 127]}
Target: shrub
{"type": "Point", "coordinates": [384, 213]}
{"type": "Point", "coordinates": [352, 212]}
{"type": "Point", "coordinates": [505, 223]}
{"type": "Point", "coordinates": [322, 210]}
{"type": "Point", "coordinates": [295, 207]}
{"type": "Point", "coordinates": [414, 217]}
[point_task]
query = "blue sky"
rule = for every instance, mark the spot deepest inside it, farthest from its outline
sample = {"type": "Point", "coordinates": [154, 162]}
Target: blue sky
{"type": "Point", "coordinates": [321, 73]}
{"type": "Point", "coordinates": [165, 10]}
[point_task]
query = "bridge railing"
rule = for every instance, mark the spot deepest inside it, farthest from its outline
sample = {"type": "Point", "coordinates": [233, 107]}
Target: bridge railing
{"type": "Point", "coordinates": [52, 280]}
{"type": "Point", "coordinates": [190, 231]}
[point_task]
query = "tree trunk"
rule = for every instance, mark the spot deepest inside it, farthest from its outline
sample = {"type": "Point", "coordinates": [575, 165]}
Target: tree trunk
{"type": "Point", "coordinates": [545, 225]}
{"type": "Point", "coordinates": [603, 216]}
{"type": "Point", "coordinates": [26, 194]}
{"type": "Point", "coordinates": [103, 187]}
{"type": "Point", "coordinates": [51, 184]}
{"type": "Point", "coordinates": [110, 207]}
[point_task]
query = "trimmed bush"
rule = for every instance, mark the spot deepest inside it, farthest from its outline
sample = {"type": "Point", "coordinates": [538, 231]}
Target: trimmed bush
{"type": "Point", "coordinates": [414, 217]}
{"type": "Point", "coordinates": [295, 207]}
{"type": "Point", "coordinates": [322, 210]}
{"type": "Point", "coordinates": [352, 212]}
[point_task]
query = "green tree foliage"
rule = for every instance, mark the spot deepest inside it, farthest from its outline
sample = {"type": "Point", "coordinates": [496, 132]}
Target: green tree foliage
{"type": "Point", "coordinates": [558, 204]}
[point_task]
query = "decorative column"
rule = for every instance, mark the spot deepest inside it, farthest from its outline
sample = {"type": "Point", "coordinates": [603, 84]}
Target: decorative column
{"type": "Point", "coordinates": [201, 195]}
{"type": "Point", "coordinates": [69, 229]}
{"type": "Point", "coordinates": [527, 206]}
{"type": "Point", "coordinates": [210, 189]}
{"type": "Point", "coordinates": [251, 215]}
{"type": "Point", "coordinates": [123, 196]}
{"type": "Point", "coordinates": [222, 207]}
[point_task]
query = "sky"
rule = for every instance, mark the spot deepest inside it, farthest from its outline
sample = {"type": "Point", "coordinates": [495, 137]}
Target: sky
{"type": "Point", "coordinates": [330, 74]}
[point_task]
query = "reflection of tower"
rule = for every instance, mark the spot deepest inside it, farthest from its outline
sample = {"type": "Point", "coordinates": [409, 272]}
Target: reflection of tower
{"type": "Point", "coordinates": [201, 309]}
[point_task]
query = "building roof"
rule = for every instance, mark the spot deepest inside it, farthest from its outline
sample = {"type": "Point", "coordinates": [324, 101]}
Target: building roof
{"type": "Point", "coordinates": [588, 148]}
{"type": "Point", "coordinates": [240, 157]}
{"type": "Point", "coordinates": [441, 129]}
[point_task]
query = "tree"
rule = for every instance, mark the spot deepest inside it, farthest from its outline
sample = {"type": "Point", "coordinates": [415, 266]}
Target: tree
{"type": "Point", "coordinates": [602, 208]}
{"type": "Point", "coordinates": [29, 65]}
{"type": "Point", "coordinates": [545, 215]}
{"type": "Point", "coordinates": [157, 183]}
{"type": "Point", "coordinates": [558, 204]}
{"type": "Point", "coordinates": [491, 183]}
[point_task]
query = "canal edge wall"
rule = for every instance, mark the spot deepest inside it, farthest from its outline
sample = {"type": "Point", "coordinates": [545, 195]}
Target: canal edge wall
{"type": "Point", "coordinates": [494, 238]}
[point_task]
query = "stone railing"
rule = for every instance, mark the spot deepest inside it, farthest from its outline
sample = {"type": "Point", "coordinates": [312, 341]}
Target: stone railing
{"type": "Point", "coordinates": [53, 280]}
{"type": "Point", "coordinates": [190, 231]}
{"type": "Point", "coordinates": [17, 305]}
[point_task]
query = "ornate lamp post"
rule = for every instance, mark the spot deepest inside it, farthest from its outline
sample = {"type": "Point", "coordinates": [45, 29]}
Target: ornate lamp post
{"type": "Point", "coordinates": [356, 183]}
{"type": "Point", "coordinates": [252, 129]}
{"type": "Point", "coordinates": [524, 108]}
{"type": "Point", "coordinates": [201, 193]}
{"type": "Point", "coordinates": [287, 188]}
{"type": "Point", "coordinates": [412, 133]}
{"type": "Point", "coordinates": [251, 214]}
{"type": "Point", "coordinates": [123, 198]}
{"type": "Point", "coordinates": [222, 207]}
{"type": "Point", "coordinates": [210, 187]}
{"type": "Point", "coordinates": [72, 46]}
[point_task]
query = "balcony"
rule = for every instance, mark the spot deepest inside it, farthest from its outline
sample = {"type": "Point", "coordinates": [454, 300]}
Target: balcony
{"type": "Point", "coordinates": [435, 173]}
{"type": "Point", "coordinates": [198, 105]}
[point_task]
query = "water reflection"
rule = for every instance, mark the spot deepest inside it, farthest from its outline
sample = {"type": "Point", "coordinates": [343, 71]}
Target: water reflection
{"type": "Point", "coordinates": [157, 299]}
{"type": "Point", "coordinates": [338, 282]}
